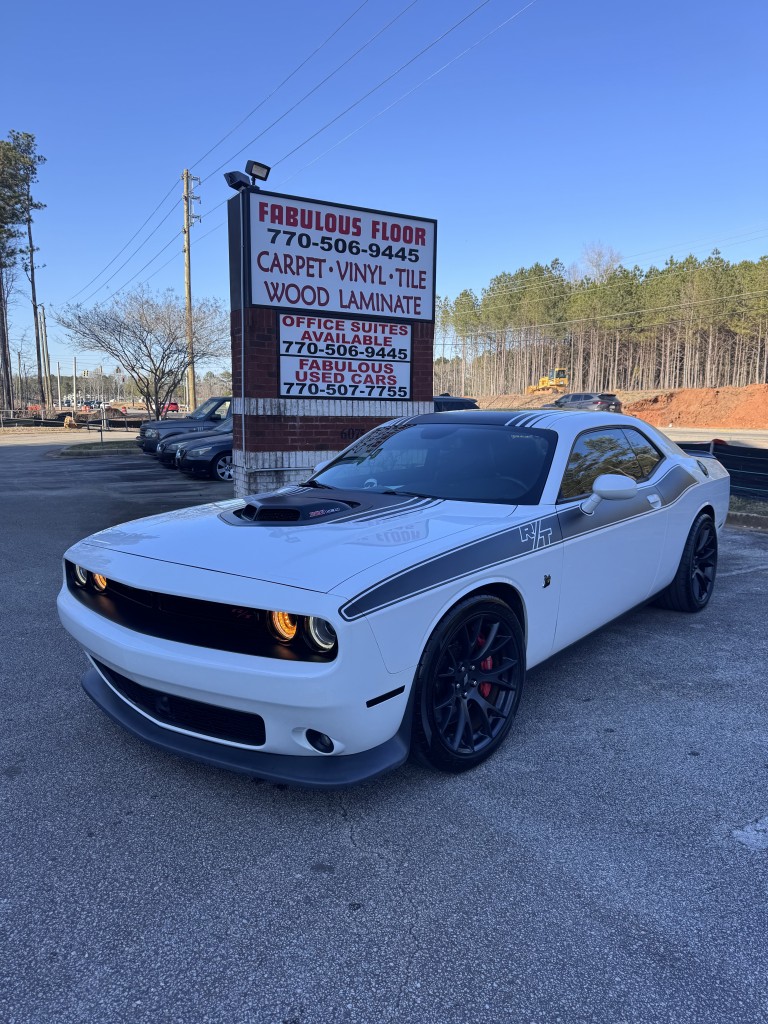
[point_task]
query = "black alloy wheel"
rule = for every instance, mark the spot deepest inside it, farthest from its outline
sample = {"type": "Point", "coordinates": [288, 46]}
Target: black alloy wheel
{"type": "Point", "coordinates": [694, 581]}
{"type": "Point", "coordinates": [468, 684]}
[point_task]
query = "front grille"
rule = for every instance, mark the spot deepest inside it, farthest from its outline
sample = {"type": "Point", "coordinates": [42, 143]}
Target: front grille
{"type": "Point", "coordinates": [187, 620]}
{"type": "Point", "coordinates": [192, 715]}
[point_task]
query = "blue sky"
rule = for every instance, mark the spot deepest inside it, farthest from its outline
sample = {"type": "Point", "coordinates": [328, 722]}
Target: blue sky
{"type": "Point", "coordinates": [640, 127]}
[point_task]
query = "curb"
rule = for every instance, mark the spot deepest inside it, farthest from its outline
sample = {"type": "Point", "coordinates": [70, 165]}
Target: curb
{"type": "Point", "coordinates": [747, 521]}
{"type": "Point", "coordinates": [72, 452]}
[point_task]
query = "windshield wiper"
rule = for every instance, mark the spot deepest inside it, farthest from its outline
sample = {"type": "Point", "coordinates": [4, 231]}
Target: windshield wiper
{"type": "Point", "coordinates": [314, 483]}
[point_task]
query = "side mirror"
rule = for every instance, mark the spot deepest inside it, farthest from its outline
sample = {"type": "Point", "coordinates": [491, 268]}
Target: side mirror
{"type": "Point", "coordinates": [609, 487]}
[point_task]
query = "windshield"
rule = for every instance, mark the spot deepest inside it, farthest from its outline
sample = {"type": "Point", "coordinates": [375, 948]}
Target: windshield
{"type": "Point", "coordinates": [225, 427]}
{"type": "Point", "coordinates": [205, 409]}
{"type": "Point", "coordinates": [477, 462]}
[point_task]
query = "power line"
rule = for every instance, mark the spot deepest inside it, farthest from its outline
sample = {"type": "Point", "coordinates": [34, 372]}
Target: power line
{"type": "Point", "coordinates": [385, 80]}
{"type": "Point", "coordinates": [631, 312]}
{"type": "Point", "coordinates": [117, 255]}
{"type": "Point", "coordinates": [279, 87]}
{"type": "Point", "coordinates": [411, 91]}
{"type": "Point", "coordinates": [315, 88]}
{"type": "Point", "coordinates": [200, 159]}
{"type": "Point", "coordinates": [601, 286]}
{"type": "Point", "coordinates": [147, 264]}
{"type": "Point", "coordinates": [126, 262]}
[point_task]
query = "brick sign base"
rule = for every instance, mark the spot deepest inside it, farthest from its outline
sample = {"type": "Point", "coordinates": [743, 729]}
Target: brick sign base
{"type": "Point", "coordinates": [278, 441]}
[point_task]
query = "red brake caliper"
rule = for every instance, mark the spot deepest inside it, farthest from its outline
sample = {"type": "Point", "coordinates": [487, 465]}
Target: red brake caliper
{"type": "Point", "coordinates": [486, 665]}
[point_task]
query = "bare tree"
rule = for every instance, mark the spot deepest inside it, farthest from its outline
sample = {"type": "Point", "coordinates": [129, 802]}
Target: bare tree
{"type": "Point", "coordinates": [599, 261]}
{"type": "Point", "coordinates": [145, 334]}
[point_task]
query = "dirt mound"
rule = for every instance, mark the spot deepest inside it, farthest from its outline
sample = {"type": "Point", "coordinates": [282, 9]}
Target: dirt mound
{"type": "Point", "coordinates": [705, 407]}
{"type": "Point", "coordinates": [728, 408]}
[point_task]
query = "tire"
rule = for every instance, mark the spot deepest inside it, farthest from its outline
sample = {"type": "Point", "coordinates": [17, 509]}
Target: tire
{"type": "Point", "coordinates": [694, 580]}
{"type": "Point", "coordinates": [221, 467]}
{"type": "Point", "coordinates": [468, 685]}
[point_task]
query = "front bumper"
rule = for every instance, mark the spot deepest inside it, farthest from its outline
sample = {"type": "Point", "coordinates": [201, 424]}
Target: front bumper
{"type": "Point", "coordinates": [200, 465]}
{"type": "Point", "coordinates": [353, 699]}
{"type": "Point", "coordinates": [148, 444]}
{"type": "Point", "coordinates": [321, 772]}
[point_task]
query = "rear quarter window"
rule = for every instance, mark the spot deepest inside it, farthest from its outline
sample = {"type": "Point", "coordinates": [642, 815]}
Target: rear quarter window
{"type": "Point", "coordinates": [648, 455]}
{"type": "Point", "coordinates": [594, 453]}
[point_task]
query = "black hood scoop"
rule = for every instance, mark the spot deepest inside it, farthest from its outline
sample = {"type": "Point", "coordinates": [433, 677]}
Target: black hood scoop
{"type": "Point", "coordinates": [302, 506]}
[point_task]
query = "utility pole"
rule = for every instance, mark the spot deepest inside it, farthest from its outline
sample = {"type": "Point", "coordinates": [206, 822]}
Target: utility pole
{"type": "Point", "coordinates": [31, 276]}
{"type": "Point", "coordinates": [6, 366]}
{"type": "Point", "coordinates": [58, 380]}
{"type": "Point", "coordinates": [189, 220]}
{"type": "Point", "coordinates": [46, 358]}
{"type": "Point", "coordinates": [74, 385]}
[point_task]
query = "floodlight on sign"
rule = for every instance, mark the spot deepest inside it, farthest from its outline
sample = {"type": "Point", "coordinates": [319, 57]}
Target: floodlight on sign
{"type": "Point", "coordinates": [257, 171]}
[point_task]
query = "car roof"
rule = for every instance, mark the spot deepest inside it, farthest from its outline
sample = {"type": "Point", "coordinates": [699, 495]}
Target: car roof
{"type": "Point", "coordinates": [564, 421]}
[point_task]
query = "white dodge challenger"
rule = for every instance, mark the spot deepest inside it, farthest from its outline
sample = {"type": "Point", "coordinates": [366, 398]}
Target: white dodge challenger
{"type": "Point", "coordinates": [390, 603]}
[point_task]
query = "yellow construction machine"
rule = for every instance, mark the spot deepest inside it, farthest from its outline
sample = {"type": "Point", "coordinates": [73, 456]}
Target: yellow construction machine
{"type": "Point", "coordinates": [555, 381]}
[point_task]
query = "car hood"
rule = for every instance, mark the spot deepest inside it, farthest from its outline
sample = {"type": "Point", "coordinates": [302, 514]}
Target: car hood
{"type": "Point", "coordinates": [182, 426]}
{"type": "Point", "coordinates": [197, 436]}
{"type": "Point", "coordinates": [328, 546]}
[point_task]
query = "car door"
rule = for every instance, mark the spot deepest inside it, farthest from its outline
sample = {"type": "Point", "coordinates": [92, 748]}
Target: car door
{"type": "Point", "coordinates": [611, 557]}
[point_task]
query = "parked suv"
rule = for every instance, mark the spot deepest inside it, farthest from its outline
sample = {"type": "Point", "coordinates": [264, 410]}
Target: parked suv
{"type": "Point", "coordinates": [208, 415]}
{"type": "Point", "coordinates": [596, 401]}
{"type": "Point", "coordinates": [447, 403]}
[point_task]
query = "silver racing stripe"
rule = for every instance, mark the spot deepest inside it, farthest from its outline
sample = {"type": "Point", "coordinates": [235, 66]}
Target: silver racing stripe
{"type": "Point", "coordinates": [390, 512]}
{"type": "Point", "coordinates": [523, 419]}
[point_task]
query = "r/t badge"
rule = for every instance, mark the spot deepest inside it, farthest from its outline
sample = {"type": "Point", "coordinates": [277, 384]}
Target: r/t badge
{"type": "Point", "coordinates": [541, 536]}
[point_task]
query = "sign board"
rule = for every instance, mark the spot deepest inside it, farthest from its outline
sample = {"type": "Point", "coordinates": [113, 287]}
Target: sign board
{"type": "Point", "coordinates": [341, 259]}
{"type": "Point", "coordinates": [335, 357]}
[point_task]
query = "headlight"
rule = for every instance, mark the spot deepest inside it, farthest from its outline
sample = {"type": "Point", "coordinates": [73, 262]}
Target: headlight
{"type": "Point", "coordinates": [152, 433]}
{"type": "Point", "coordinates": [320, 633]}
{"type": "Point", "coordinates": [199, 451]}
{"type": "Point", "coordinates": [284, 625]}
{"type": "Point", "coordinates": [317, 633]}
{"type": "Point", "coordinates": [81, 576]}
{"type": "Point", "coordinates": [99, 582]}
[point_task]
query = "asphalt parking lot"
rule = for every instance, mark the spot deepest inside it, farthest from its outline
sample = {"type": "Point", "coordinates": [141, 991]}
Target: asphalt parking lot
{"type": "Point", "coordinates": [608, 865]}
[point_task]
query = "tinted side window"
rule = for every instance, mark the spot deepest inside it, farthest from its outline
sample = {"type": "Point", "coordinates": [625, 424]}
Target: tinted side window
{"type": "Point", "coordinates": [595, 453]}
{"type": "Point", "coordinates": [647, 454]}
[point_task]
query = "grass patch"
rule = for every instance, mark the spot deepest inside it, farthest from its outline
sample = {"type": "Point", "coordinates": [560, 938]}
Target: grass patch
{"type": "Point", "coordinates": [749, 506]}
{"type": "Point", "coordinates": [90, 448]}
